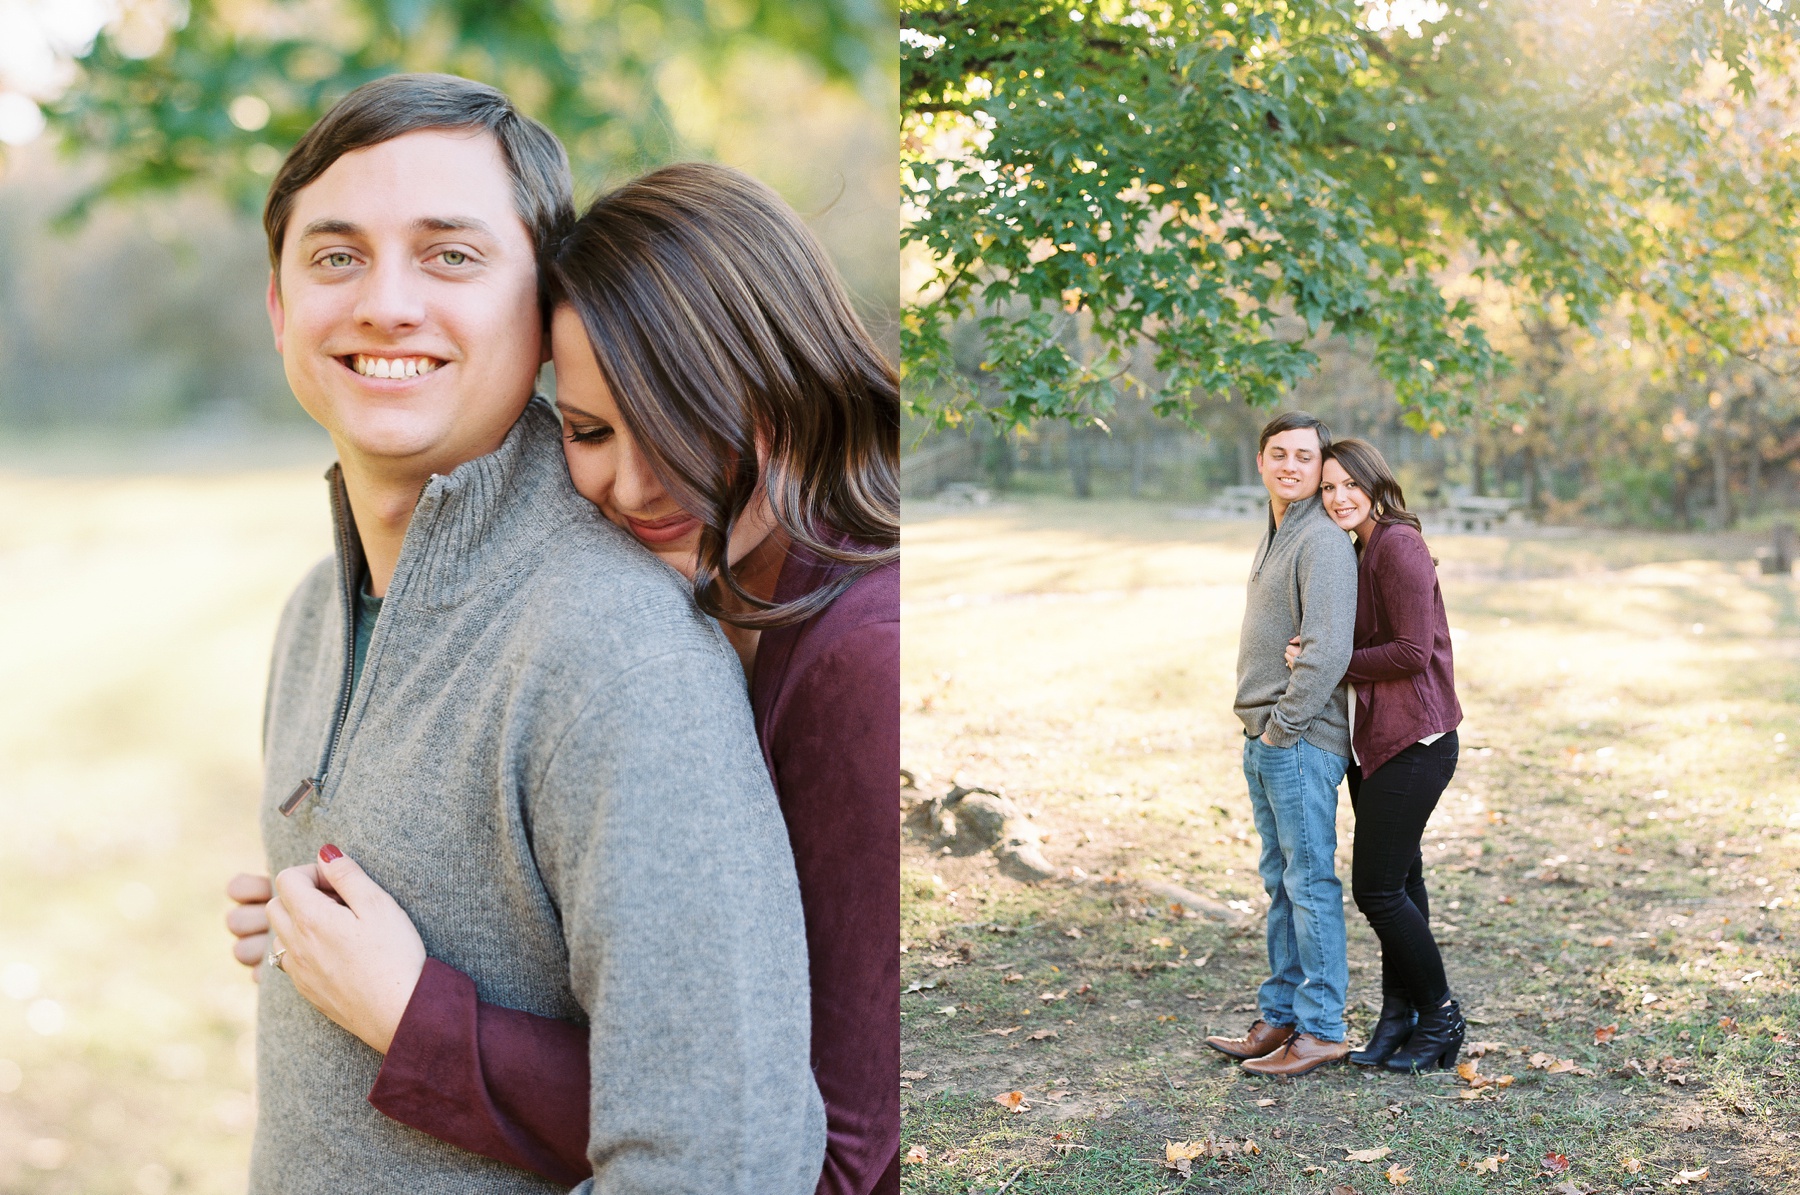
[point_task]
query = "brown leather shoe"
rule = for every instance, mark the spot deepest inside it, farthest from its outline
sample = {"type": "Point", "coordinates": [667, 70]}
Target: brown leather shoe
{"type": "Point", "coordinates": [1262, 1038]}
{"type": "Point", "coordinates": [1302, 1054]}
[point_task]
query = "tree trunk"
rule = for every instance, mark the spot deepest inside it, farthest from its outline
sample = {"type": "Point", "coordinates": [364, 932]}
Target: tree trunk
{"type": "Point", "coordinates": [1528, 485]}
{"type": "Point", "coordinates": [1246, 454]}
{"type": "Point", "coordinates": [1721, 465]}
{"type": "Point", "coordinates": [1080, 465]}
{"type": "Point", "coordinates": [1477, 475]}
{"type": "Point", "coordinates": [1140, 449]}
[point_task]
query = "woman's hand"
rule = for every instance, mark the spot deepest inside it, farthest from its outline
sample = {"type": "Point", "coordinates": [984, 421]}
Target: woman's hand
{"type": "Point", "coordinates": [349, 948]}
{"type": "Point", "coordinates": [248, 921]}
{"type": "Point", "coordinates": [1293, 651]}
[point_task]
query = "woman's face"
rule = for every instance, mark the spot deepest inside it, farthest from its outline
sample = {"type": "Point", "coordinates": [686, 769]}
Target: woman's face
{"type": "Point", "coordinates": [1345, 501]}
{"type": "Point", "coordinates": [610, 470]}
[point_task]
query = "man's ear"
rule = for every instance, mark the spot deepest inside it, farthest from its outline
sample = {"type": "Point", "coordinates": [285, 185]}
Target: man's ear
{"type": "Point", "coordinates": [277, 316]}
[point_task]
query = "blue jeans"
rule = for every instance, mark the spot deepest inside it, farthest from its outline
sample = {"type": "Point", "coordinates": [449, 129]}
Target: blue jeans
{"type": "Point", "coordinates": [1293, 795]}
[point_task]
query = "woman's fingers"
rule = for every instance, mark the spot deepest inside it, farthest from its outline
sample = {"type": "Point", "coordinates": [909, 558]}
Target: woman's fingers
{"type": "Point", "coordinates": [250, 949]}
{"type": "Point", "coordinates": [248, 919]}
{"type": "Point", "coordinates": [248, 889]}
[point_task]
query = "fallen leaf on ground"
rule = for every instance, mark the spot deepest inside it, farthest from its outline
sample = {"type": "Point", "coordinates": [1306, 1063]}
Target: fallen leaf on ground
{"type": "Point", "coordinates": [1539, 1061]}
{"type": "Point", "coordinates": [1490, 1165]}
{"type": "Point", "coordinates": [1605, 942]}
{"type": "Point", "coordinates": [1479, 1048]}
{"type": "Point", "coordinates": [1040, 1035]}
{"type": "Point", "coordinates": [1074, 931]}
{"type": "Point", "coordinates": [1006, 1032]}
{"type": "Point", "coordinates": [1251, 1147]}
{"type": "Point", "coordinates": [1343, 1189]}
{"type": "Point", "coordinates": [1265, 1103]}
{"type": "Point", "coordinates": [1013, 978]}
{"type": "Point", "coordinates": [1556, 1163]}
{"type": "Point", "coordinates": [1605, 1033]}
{"type": "Point", "coordinates": [921, 987]}
{"type": "Point", "coordinates": [1466, 1070]}
{"type": "Point", "coordinates": [1051, 997]}
{"type": "Point", "coordinates": [1632, 1165]}
{"type": "Point", "coordinates": [1367, 1155]}
{"type": "Point", "coordinates": [1569, 1187]}
{"type": "Point", "coordinates": [916, 1156]}
{"type": "Point", "coordinates": [949, 1010]}
{"type": "Point", "coordinates": [1684, 1177]}
{"type": "Point", "coordinates": [1728, 1024]}
{"type": "Point", "coordinates": [913, 1075]}
{"type": "Point", "coordinates": [1162, 941]}
{"type": "Point", "coordinates": [1398, 1175]}
{"type": "Point", "coordinates": [1689, 1119]}
{"type": "Point", "coordinates": [1055, 1097]}
{"type": "Point", "coordinates": [1012, 1101]}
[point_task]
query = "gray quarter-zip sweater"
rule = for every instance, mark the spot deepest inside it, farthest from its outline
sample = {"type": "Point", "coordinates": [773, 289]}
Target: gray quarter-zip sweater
{"type": "Point", "coordinates": [549, 761]}
{"type": "Point", "coordinates": [1302, 583]}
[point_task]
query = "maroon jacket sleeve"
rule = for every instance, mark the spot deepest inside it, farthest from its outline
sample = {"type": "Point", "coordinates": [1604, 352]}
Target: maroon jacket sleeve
{"type": "Point", "coordinates": [495, 1081]}
{"type": "Point", "coordinates": [1403, 581]}
{"type": "Point", "coordinates": [836, 750]}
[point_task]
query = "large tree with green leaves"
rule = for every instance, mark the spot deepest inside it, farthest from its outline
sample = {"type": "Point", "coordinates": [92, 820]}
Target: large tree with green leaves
{"type": "Point", "coordinates": [1208, 178]}
{"type": "Point", "coordinates": [217, 96]}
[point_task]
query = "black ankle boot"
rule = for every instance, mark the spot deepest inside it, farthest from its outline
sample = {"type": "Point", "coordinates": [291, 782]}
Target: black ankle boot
{"type": "Point", "coordinates": [1435, 1041]}
{"type": "Point", "coordinates": [1390, 1032]}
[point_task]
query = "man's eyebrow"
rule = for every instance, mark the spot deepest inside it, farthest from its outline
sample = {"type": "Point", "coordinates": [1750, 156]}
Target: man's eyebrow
{"type": "Point", "coordinates": [452, 224]}
{"type": "Point", "coordinates": [332, 228]}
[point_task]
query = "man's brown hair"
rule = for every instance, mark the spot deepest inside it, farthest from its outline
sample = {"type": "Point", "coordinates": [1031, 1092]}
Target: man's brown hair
{"type": "Point", "coordinates": [399, 104]}
{"type": "Point", "coordinates": [1293, 421]}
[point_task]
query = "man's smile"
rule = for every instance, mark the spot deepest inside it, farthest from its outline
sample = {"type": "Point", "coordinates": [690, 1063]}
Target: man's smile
{"type": "Point", "coordinates": [400, 368]}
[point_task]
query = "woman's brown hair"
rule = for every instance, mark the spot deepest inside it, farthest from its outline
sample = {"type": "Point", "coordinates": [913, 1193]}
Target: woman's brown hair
{"type": "Point", "coordinates": [718, 322]}
{"type": "Point", "coordinates": [1364, 463]}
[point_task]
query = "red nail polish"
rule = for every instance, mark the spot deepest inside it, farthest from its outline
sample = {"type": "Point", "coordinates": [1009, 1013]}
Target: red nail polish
{"type": "Point", "coordinates": [328, 852]}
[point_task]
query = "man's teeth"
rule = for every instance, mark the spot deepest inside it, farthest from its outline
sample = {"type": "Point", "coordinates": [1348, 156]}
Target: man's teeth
{"type": "Point", "coordinates": [392, 367]}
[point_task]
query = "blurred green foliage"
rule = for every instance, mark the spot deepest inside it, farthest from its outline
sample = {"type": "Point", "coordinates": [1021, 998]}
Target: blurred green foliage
{"type": "Point", "coordinates": [218, 96]}
{"type": "Point", "coordinates": [1083, 178]}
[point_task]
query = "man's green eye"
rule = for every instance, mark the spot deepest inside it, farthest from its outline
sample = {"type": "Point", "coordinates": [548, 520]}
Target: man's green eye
{"type": "Point", "coordinates": [338, 260]}
{"type": "Point", "coordinates": [454, 257]}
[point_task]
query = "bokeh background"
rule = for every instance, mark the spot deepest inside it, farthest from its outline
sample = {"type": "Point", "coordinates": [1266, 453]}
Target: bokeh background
{"type": "Point", "coordinates": [160, 492]}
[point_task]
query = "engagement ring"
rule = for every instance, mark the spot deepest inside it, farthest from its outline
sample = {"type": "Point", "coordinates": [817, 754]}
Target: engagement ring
{"type": "Point", "coordinates": [273, 958]}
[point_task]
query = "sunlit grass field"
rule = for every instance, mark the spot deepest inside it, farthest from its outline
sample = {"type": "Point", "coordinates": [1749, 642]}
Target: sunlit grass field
{"type": "Point", "coordinates": [1616, 853]}
{"type": "Point", "coordinates": [137, 616]}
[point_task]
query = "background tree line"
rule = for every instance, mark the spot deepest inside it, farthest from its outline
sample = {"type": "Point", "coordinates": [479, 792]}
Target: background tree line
{"type": "Point", "coordinates": [1559, 237]}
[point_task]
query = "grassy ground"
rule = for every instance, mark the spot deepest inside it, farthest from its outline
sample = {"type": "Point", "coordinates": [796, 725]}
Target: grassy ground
{"type": "Point", "coordinates": [138, 615]}
{"type": "Point", "coordinates": [1617, 850]}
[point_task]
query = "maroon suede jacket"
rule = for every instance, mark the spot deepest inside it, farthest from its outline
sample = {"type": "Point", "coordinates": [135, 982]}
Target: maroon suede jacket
{"type": "Point", "coordinates": [826, 696]}
{"type": "Point", "coordinates": [1405, 690]}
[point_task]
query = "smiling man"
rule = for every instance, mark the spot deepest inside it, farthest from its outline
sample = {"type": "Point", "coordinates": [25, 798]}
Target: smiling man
{"type": "Point", "coordinates": [505, 711]}
{"type": "Point", "coordinates": [1296, 748]}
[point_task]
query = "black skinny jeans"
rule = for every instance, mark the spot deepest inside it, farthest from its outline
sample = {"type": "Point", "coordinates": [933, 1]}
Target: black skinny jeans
{"type": "Point", "coordinates": [1387, 869]}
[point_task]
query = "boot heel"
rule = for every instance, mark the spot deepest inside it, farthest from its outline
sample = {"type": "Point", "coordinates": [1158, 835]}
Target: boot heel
{"type": "Point", "coordinates": [1448, 1061]}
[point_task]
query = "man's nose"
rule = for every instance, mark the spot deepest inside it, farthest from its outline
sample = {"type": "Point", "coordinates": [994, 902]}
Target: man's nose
{"type": "Point", "coordinates": [391, 298]}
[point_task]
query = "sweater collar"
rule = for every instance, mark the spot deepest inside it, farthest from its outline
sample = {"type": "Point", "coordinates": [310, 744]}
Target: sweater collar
{"type": "Point", "coordinates": [470, 523]}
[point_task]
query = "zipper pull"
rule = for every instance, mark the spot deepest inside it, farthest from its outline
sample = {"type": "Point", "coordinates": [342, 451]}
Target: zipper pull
{"type": "Point", "coordinates": [307, 788]}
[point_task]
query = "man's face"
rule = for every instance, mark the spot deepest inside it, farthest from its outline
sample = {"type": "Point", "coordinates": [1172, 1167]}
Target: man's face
{"type": "Point", "coordinates": [1289, 464]}
{"type": "Point", "coordinates": [406, 310]}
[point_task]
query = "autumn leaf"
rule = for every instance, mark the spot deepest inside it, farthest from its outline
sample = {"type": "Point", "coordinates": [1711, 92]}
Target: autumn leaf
{"type": "Point", "coordinates": [1479, 1048]}
{"type": "Point", "coordinates": [1162, 942]}
{"type": "Point", "coordinates": [1633, 1165]}
{"type": "Point", "coordinates": [1005, 1032]}
{"type": "Point", "coordinates": [1467, 1070]}
{"type": "Point", "coordinates": [1052, 997]}
{"type": "Point", "coordinates": [1556, 1163]}
{"type": "Point", "coordinates": [1015, 977]}
{"type": "Point", "coordinates": [1265, 1103]}
{"type": "Point", "coordinates": [1367, 1155]}
{"type": "Point", "coordinates": [1605, 942]}
{"type": "Point", "coordinates": [1490, 1165]}
{"type": "Point", "coordinates": [1012, 1101]}
{"type": "Point", "coordinates": [1539, 1061]}
{"type": "Point", "coordinates": [1684, 1177]}
{"type": "Point", "coordinates": [1074, 931]}
{"type": "Point", "coordinates": [1605, 1033]}
{"type": "Point", "coordinates": [1040, 1035]}
{"type": "Point", "coordinates": [1175, 1151]}
{"type": "Point", "coordinates": [913, 1075]}
{"type": "Point", "coordinates": [1251, 1147]}
{"type": "Point", "coordinates": [916, 1156]}
{"type": "Point", "coordinates": [1689, 1119]}
{"type": "Point", "coordinates": [1399, 1176]}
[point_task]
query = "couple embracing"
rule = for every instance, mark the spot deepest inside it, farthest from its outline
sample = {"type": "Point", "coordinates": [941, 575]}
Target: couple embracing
{"type": "Point", "coordinates": [1344, 671]}
{"type": "Point", "coordinates": [580, 750]}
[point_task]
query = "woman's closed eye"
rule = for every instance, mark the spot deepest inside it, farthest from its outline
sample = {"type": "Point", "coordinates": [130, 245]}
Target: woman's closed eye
{"type": "Point", "coordinates": [588, 433]}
